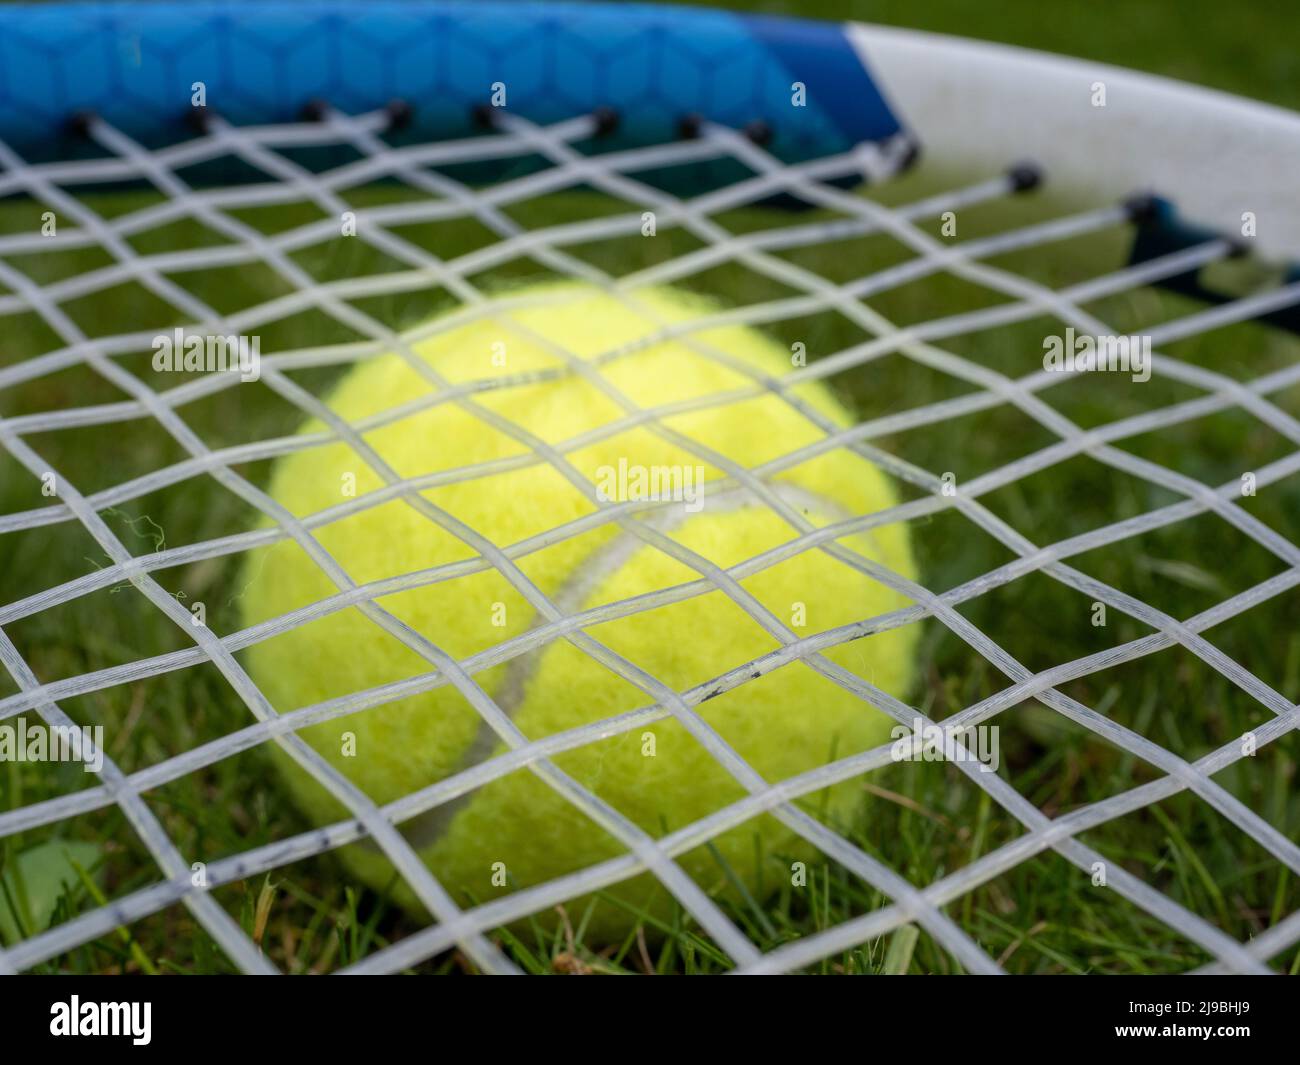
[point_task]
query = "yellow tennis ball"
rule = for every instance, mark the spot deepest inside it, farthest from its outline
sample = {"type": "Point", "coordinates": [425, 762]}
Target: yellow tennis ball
{"type": "Point", "coordinates": [517, 830]}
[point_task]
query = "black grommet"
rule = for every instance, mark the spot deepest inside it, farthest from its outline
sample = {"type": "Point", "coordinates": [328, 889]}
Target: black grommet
{"type": "Point", "coordinates": [400, 113]}
{"type": "Point", "coordinates": [910, 154]}
{"type": "Point", "coordinates": [606, 121]}
{"type": "Point", "coordinates": [483, 115]}
{"type": "Point", "coordinates": [80, 122]}
{"type": "Point", "coordinates": [689, 126]}
{"type": "Point", "coordinates": [314, 110]}
{"type": "Point", "coordinates": [1025, 176]}
{"type": "Point", "coordinates": [198, 118]}
{"type": "Point", "coordinates": [1141, 208]}
{"type": "Point", "coordinates": [759, 132]}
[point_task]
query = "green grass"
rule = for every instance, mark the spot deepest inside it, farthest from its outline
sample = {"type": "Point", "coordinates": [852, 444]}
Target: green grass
{"type": "Point", "coordinates": [923, 820]}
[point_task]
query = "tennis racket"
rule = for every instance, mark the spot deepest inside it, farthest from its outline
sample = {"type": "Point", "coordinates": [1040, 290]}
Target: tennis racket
{"type": "Point", "coordinates": [1061, 298]}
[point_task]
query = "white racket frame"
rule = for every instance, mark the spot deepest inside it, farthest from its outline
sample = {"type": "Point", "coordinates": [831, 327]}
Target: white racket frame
{"type": "Point", "coordinates": [975, 106]}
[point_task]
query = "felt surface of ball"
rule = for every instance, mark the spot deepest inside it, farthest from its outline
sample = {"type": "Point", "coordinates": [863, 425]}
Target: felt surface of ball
{"type": "Point", "coordinates": [517, 827]}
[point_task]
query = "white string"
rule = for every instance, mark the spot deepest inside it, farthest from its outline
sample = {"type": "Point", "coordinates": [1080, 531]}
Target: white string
{"type": "Point", "coordinates": [442, 198]}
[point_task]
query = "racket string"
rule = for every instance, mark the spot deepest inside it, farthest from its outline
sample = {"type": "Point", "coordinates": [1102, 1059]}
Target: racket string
{"type": "Point", "coordinates": [442, 198]}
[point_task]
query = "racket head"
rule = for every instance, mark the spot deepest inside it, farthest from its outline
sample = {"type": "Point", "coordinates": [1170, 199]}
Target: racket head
{"type": "Point", "coordinates": [637, 78]}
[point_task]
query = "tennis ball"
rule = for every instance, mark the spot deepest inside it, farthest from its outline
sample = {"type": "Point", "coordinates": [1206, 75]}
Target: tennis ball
{"type": "Point", "coordinates": [516, 830]}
